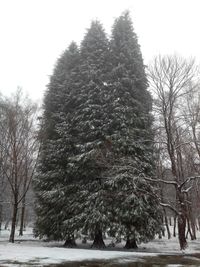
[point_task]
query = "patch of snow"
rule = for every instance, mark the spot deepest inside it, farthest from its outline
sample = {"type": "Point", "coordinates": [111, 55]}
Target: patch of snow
{"type": "Point", "coordinates": [27, 252]}
{"type": "Point", "coordinates": [27, 249]}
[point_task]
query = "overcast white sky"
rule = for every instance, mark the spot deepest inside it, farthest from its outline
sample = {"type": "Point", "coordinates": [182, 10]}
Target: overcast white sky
{"type": "Point", "coordinates": [33, 33]}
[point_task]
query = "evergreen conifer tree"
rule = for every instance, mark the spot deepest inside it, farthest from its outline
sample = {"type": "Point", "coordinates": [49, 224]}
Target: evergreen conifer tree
{"type": "Point", "coordinates": [87, 127]}
{"type": "Point", "coordinates": [51, 173]}
{"type": "Point", "coordinates": [131, 137]}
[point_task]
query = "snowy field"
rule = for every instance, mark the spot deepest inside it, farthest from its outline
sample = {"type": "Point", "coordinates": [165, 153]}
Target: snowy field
{"type": "Point", "coordinates": [28, 251]}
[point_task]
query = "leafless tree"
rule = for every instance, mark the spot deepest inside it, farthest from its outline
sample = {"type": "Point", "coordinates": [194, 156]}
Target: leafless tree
{"type": "Point", "coordinates": [18, 149]}
{"type": "Point", "coordinates": [171, 79]}
{"type": "Point", "coordinates": [3, 185]}
{"type": "Point", "coordinates": [191, 114]}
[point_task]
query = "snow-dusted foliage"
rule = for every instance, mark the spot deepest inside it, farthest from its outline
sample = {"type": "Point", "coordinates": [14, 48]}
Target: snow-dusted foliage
{"type": "Point", "coordinates": [96, 142]}
{"type": "Point", "coordinates": [51, 175]}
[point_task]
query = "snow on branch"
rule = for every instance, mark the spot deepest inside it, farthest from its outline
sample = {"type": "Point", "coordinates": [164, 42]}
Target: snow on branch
{"type": "Point", "coordinates": [169, 206]}
{"type": "Point", "coordinates": [187, 180]}
{"type": "Point", "coordinates": [161, 181]}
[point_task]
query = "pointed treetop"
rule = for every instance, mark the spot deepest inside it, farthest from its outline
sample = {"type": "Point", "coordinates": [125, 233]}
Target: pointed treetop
{"type": "Point", "coordinates": [94, 39]}
{"type": "Point", "coordinates": [123, 36]}
{"type": "Point", "coordinates": [65, 58]}
{"type": "Point", "coordinates": [126, 51]}
{"type": "Point", "coordinates": [60, 80]}
{"type": "Point", "coordinates": [94, 52]}
{"type": "Point", "coordinates": [73, 46]}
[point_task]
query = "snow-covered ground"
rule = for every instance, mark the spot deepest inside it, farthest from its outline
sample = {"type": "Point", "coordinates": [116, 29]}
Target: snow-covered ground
{"type": "Point", "coordinates": [34, 252]}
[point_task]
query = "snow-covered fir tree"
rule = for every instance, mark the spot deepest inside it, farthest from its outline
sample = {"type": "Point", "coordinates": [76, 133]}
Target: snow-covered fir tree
{"type": "Point", "coordinates": [87, 125]}
{"type": "Point", "coordinates": [129, 113]}
{"type": "Point", "coordinates": [96, 142]}
{"type": "Point", "coordinates": [51, 172]}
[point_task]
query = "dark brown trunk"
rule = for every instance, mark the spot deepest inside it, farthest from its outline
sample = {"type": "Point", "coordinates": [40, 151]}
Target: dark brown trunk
{"type": "Point", "coordinates": [199, 223]}
{"type": "Point", "coordinates": [193, 225]}
{"type": "Point", "coordinates": [1, 217]}
{"type": "Point", "coordinates": [98, 240]}
{"type": "Point", "coordinates": [6, 224]}
{"type": "Point", "coordinates": [163, 232]}
{"type": "Point", "coordinates": [182, 218]}
{"type": "Point", "coordinates": [166, 224]}
{"type": "Point", "coordinates": [163, 229]}
{"type": "Point", "coordinates": [21, 229]}
{"type": "Point", "coordinates": [131, 244]}
{"type": "Point", "coordinates": [13, 224]}
{"type": "Point", "coordinates": [181, 231]}
{"type": "Point", "coordinates": [70, 242]}
{"type": "Point", "coordinates": [160, 235]}
{"type": "Point", "coordinates": [189, 229]}
{"type": "Point", "coordinates": [174, 229]}
{"type": "Point", "coordinates": [190, 218]}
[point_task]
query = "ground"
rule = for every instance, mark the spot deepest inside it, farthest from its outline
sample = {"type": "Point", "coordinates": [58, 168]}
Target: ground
{"type": "Point", "coordinates": [28, 251]}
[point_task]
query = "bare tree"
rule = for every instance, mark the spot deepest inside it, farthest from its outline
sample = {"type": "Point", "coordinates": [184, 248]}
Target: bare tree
{"type": "Point", "coordinates": [3, 185]}
{"type": "Point", "coordinates": [18, 149]}
{"type": "Point", "coordinates": [171, 79]}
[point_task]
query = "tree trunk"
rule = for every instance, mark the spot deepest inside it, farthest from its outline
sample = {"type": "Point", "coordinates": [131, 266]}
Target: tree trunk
{"type": "Point", "coordinates": [70, 242]}
{"type": "Point", "coordinates": [1, 215]}
{"type": "Point", "coordinates": [131, 243]}
{"type": "Point", "coordinates": [182, 218]}
{"type": "Point", "coordinates": [21, 229]}
{"type": "Point", "coordinates": [189, 230]}
{"type": "Point", "coordinates": [174, 230]}
{"type": "Point", "coordinates": [163, 229]}
{"type": "Point", "coordinates": [181, 231]}
{"type": "Point", "coordinates": [6, 224]}
{"type": "Point", "coordinates": [199, 223]}
{"type": "Point", "coordinates": [98, 240]}
{"type": "Point", "coordinates": [160, 235]}
{"type": "Point", "coordinates": [190, 218]}
{"type": "Point", "coordinates": [193, 225]}
{"type": "Point", "coordinates": [13, 224]}
{"type": "Point", "coordinates": [166, 224]}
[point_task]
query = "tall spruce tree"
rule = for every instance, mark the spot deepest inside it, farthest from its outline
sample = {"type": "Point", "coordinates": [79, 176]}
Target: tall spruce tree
{"type": "Point", "coordinates": [87, 126]}
{"type": "Point", "coordinates": [131, 138]}
{"type": "Point", "coordinates": [51, 173]}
